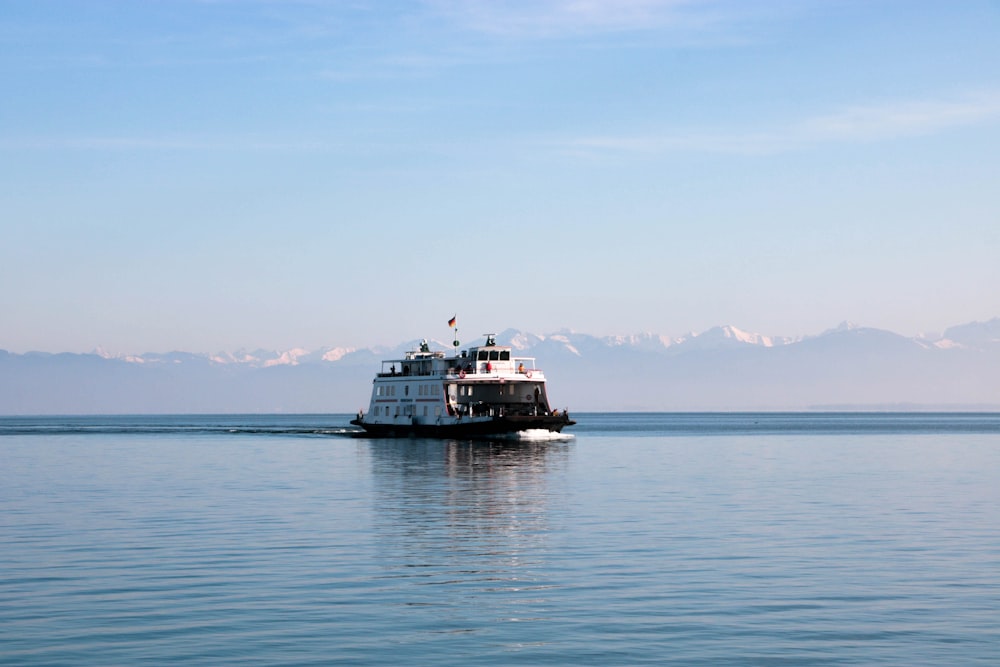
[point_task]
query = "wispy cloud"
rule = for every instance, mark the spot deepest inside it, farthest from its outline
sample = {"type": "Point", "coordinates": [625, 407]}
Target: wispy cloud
{"type": "Point", "coordinates": [154, 143]}
{"type": "Point", "coordinates": [854, 124]}
{"type": "Point", "coordinates": [903, 119]}
{"type": "Point", "coordinates": [409, 62]}
{"type": "Point", "coordinates": [445, 34]}
{"type": "Point", "coordinates": [861, 123]}
{"type": "Point", "coordinates": [553, 18]}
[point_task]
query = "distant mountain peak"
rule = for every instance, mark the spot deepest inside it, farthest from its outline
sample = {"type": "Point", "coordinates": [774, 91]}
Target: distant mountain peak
{"type": "Point", "coordinates": [846, 325]}
{"type": "Point", "coordinates": [131, 358]}
{"type": "Point", "coordinates": [564, 339]}
{"type": "Point", "coordinates": [336, 353]}
{"type": "Point", "coordinates": [645, 340]}
{"type": "Point", "coordinates": [728, 335]}
{"type": "Point", "coordinates": [974, 334]}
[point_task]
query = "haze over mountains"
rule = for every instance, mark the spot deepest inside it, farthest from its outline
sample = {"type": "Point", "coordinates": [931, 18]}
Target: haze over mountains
{"type": "Point", "coordinates": [846, 368]}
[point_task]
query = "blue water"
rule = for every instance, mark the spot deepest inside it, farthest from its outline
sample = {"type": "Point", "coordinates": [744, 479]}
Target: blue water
{"type": "Point", "coordinates": [708, 539]}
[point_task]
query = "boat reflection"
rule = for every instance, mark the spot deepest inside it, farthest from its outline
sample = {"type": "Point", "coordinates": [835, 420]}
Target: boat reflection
{"type": "Point", "coordinates": [466, 518]}
{"type": "Point", "coordinates": [489, 485]}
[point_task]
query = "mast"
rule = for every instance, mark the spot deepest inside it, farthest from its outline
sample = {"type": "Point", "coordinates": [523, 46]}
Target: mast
{"type": "Point", "coordinates": [453, 323]}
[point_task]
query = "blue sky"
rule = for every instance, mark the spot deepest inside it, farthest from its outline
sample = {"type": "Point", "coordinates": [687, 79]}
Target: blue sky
{"type": "Point", "coordinates": [224, 174]}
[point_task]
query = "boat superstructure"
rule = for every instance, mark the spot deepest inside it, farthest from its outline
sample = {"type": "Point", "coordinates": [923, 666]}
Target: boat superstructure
{"type": "Point", "coordinates": [484, 390]}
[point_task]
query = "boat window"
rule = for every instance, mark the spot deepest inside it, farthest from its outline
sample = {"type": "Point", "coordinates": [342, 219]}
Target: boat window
{"type": "Point", "coordinates": [484, 355]}
{"type": "Point", "coordinates": [504, 355]}
{"type": "Point", "coordinates": [494, 355]}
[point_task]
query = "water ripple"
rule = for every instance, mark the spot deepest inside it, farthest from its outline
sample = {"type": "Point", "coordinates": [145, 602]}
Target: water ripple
{"type": "Point", "coordinates": [203, 546]}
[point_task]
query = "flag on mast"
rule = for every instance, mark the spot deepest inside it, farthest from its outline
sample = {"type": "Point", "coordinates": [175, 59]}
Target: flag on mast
{"type": "Point", "coordinates": [451, 322]}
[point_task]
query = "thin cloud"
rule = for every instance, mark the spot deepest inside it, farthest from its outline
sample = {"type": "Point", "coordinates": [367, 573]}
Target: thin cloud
{"type": "Point", "coordinates": [554, 18]}
{"type": "Point", "coordinates": [890, 121]}
{"type": "Point", "coordinates": [868, 123]}
{"type": "Point", "coordinates": [855, 124]}
{"type": "Point", "coordinates": [154, 143]}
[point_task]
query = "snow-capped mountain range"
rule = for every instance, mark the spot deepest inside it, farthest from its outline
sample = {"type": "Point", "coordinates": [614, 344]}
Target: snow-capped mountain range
{"type": "Point", "coordinates": [974, 336]}
{"type": "Point", "coordinates": [723, 368]}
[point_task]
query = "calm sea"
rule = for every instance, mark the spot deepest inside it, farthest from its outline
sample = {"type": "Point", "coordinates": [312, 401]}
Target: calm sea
{"type": "Point", "coordinates": [708, 539]}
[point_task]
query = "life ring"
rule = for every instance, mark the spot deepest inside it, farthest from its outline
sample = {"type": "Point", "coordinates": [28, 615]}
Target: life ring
{"type": "Point", "coordinates": [461, 374]}
{"type": "Point", "coordinates": [527, 374]}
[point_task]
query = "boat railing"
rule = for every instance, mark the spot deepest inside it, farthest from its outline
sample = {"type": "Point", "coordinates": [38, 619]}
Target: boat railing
{"type": "Point", "coordinates": [408, 373]}
{"type": "Point", "coordinates": [529, 373]}
{"type": "Point", "coordinates": [516, 368]}
{"type": "Point", "coordinates": [460, 371]}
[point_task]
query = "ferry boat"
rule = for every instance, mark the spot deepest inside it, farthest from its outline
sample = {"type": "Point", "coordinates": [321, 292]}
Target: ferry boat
{"type": "Point", "coordinates": [485, 390]}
